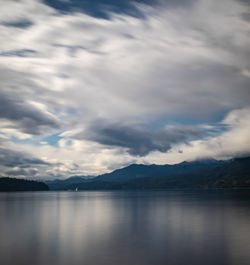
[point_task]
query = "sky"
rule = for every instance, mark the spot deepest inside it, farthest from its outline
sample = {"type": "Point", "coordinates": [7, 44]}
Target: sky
{"type": "Point", "coordinates": [89, 86]}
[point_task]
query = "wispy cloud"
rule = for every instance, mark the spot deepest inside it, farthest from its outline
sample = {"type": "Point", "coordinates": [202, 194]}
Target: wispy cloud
{"type": "Point", "coordinates": [119, 82]}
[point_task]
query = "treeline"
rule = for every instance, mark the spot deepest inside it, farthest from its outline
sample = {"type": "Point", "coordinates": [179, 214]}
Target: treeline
{"type": "Point", "coordinates": [13, 184]}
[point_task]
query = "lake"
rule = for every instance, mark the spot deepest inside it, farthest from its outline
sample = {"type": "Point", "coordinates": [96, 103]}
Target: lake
{"type": "Point", "coordinates": [125, 228]}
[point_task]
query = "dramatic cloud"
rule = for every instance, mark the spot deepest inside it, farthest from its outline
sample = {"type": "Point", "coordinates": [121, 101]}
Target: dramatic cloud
{"type": "Point", "coordinates": [86, 82]}
{"type": "Point", "coordinates": [136, 140]}
{"type": "Point", "coordinates": [10, 158]}
{"type": "Point", "coordinates": [27, 117]}
{"type": "Point", "coordinates": [232, 141]}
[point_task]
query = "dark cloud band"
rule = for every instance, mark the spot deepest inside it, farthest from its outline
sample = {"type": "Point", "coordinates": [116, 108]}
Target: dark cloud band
{"type": "Point", "coordinates": [11, 158]}
{"type": "Point", "coordinates": [138, 141]}
{"type": "Point", "coordinates": [26, 117]}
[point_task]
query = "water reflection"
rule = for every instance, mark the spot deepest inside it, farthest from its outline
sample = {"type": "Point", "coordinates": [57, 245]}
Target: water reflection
{"type": "Point", "coordinates": [146, 227]}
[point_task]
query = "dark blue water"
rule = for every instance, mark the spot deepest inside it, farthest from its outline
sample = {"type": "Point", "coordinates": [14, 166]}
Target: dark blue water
{"type": "Point", "coordinates": [125, 228]}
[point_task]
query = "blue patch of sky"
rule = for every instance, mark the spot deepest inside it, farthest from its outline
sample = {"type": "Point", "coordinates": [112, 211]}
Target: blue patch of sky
{"type": "Point", "coordinates": [71, 111]}
{"type": "Point", "coordinates": [216, 129]}
{"type": "Point", "coordinates": [51, 140]}
{"type": "Point", "coordinates": [211, 126]}
{"type": "Point", "coordinates": [184, 121]}
{"type": "Point", "coordinates": [33, 140]}
{"type": "Point", "coordinates": [68, 142]}
{"type": "Point", "coordinates": [99, 8]}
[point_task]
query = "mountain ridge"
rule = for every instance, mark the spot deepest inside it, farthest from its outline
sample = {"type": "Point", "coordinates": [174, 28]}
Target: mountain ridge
{"type": "Point", "coordinates": [205, 173]}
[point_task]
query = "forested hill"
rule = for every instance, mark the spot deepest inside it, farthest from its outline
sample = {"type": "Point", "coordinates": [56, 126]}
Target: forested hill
{"type": "Point", "coordinates": [13, 184]}
{"type": "Point", "coordinates": [234, 173]}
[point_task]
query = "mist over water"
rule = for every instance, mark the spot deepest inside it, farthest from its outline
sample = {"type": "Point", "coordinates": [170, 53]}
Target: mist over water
{"type": "Point", "coordinates": [121, 227]}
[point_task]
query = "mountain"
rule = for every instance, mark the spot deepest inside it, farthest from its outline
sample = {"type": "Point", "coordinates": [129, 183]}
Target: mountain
{"type": "Point", "coordinates": [234, 173]}
{"type": "Point", "coordinates": [199, 174]}
{"type": "Point", "coordinates": [136, 171]}
{"type": "Point", "coordinates": [231, 174]}
{"type": "Point", "coordinates": [129, 173]}
{"type": "Point", "coordinates": [210, 173]}
{"type": "Point", "coordinates": [13, 184]}
{"type": "Point", "coordinates": [64, 184]}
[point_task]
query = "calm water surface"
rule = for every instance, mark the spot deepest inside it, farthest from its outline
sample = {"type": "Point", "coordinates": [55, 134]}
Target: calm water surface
{"type": "Point", "coordinates": [125, 228]}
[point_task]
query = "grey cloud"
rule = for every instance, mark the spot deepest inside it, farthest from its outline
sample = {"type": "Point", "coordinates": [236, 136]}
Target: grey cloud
{"type": "Point", "coordinates": [177, 4]}
{"type": "Point", "coordinates": [26, 117]}
{"type": "Point", "coordinates": [21, 23]}
{"type": "Point", "coordinates": [138, 140]}
{"type": "Point", "coordinates": [19, 53]}
{"type": "Point", "coordinates": [73, 49]}
{"type": "Point", "coordinates": [246, 16]}
{"type": "Point", "coordinates": [30, 172]}
{"type": "Point", "coordinates": [247, 2]}
{"type": "Point", "coordinates": [11, 158]}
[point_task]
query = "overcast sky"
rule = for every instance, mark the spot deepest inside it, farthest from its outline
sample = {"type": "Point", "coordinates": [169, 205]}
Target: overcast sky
{"type": "Point", "coordinates": [88, 86]}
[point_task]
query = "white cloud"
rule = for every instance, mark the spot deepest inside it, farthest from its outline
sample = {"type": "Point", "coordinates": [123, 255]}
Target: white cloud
{"type": "Point", "coordinates": [165, 64]}
{"type": "Point", "coordinates": [185, 64]}
{"type": "Point", "coordinates": [234, 141]}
